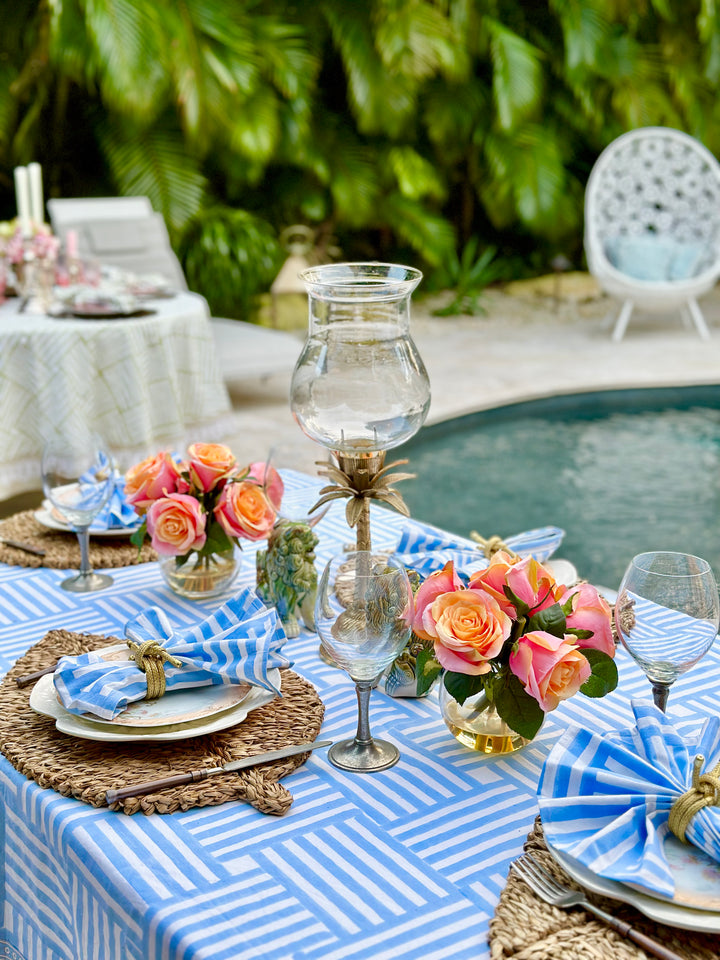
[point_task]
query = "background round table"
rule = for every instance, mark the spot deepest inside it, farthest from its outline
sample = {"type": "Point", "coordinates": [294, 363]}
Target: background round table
{"type": "Point", "coordinates": [141, 383]}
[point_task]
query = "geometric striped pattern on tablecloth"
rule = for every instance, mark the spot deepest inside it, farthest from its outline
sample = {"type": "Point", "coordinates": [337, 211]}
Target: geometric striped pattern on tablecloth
{"type": "Point", "coordinates": [407, 863]}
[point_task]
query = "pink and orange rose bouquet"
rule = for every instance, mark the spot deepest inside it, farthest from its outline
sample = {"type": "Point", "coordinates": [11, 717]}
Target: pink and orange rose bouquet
{"type": "Point", "coordinates": [204, 504]}
{"type": "Point", "coordinates": [515, 633]}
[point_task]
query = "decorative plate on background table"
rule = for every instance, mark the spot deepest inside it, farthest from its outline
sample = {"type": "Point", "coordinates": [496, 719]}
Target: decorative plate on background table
{"type": "Point", "coordinates": [47, 516]}
{"type": "Point", "coordinates": [696, 905]}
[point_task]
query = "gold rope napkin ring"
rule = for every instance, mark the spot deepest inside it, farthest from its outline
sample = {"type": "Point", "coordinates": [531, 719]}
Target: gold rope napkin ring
{"type": "Point", "coordinates": [150, 657]}
{"type": "Point", "coordinates": [492, 545]}
{"type": "Point", "coordinates": [704, 792]}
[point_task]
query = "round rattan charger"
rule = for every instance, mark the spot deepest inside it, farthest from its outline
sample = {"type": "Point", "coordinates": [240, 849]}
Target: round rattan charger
{"type": "Point", "coordinates": [85, 769]}
{"type": "Point", "coordinates": [62, 550]}
{"type": "Point", "coordinates": [526, 928]}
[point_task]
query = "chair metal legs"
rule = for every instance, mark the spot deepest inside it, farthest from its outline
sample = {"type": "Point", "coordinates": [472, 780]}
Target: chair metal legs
{"type": "Point", "coordinates": [690, 309]}
{"type": "Point", "coordinates": [622, 321]}
{"type": "Point", "coordinates": [698, 318]}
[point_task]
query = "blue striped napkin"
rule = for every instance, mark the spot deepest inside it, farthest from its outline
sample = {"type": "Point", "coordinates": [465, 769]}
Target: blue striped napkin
{"type": "Point", "coordinates": [117, 514]}
{"type": "Point", "coordinates": [605, 798]}
{"type": "Point", "coordinates": [239, 643]}
{"type": "Point", "coordinates": [426, 548]}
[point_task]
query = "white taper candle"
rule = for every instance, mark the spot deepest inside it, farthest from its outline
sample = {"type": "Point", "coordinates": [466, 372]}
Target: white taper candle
{"type": "Point", "coordinates": [22, 199]}
{"type": "Point", "coordinates": [37, 207]}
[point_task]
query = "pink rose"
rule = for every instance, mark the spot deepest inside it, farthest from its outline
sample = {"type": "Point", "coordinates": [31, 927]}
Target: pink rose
{"type": "Point", "coordinates": [528, 580]}
{"type": "Point", "coordinates": [151, 479]}
{"type": "Point", "coordinates": [469, 629]}
{"type": "Point", "coordinates": [270, 480]}
{"type": "Point", "coordinates": [442, 581]}
{"type": "Point", "coordinates": [589, 611]}
{"type": "Point", "coordinates": [209, 464]}
{"type": "Point", "coordinates": [550, 668]}
{"type": "Point", "coordinates": [243, 510]}
{"type": "Point", "coordinates": [176, 525]}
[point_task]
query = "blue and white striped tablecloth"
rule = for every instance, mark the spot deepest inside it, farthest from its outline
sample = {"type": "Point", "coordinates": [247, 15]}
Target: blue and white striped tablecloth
{"type": "Point", "coordinates": [406, 864]}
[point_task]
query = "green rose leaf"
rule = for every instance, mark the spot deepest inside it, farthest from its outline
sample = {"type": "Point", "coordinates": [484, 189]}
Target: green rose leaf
{"type": "Point", "coordinates": [580, 634]}
{"type": "Point", "coordinates": [461, 685]}
{"type": "Point", "coordinates": [517, 708]}
{"type": "Point", "coordinates": [217, 541]}
{"type": "Point", "coordinates": [427, 669]}
{"type": "Point", "coordinates": [522, 608]}
{"type": "Point", "coordinates": [604, 676]}
{"type": "Point", "coordinates": [137, 537]}
{"type": "Point", "coordinates": [551, 620]}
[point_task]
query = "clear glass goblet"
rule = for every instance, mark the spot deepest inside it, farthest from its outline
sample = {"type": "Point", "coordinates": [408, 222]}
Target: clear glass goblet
{"type": "Point", "coordinates": [667, 614]}
{"type": "Point", "coordinates": [363, 613]}
{"type": "Point", "coordinates": [78, 479]}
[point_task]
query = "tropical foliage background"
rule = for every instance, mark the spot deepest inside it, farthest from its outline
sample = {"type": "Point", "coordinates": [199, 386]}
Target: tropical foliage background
{"type": "Point", "coordinates": [456, 135]}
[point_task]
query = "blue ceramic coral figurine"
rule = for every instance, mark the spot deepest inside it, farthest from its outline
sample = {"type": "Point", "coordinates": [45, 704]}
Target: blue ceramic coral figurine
{"type": "Point", "coordinates": [286, 574]}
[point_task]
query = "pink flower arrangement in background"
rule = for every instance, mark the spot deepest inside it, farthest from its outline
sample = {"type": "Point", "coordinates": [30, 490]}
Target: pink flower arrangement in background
{"type": "Point", "coordinates": [205, 503]}
{"type": "Point", "coordinates": [519, 636]}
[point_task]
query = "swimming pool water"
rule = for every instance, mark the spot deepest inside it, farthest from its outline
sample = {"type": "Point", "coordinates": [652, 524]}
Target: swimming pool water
{"type": "Point", "coordinates": [620, 471]}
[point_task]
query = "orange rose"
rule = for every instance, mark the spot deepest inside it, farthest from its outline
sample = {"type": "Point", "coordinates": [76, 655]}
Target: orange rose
{"type": "Point", "coordinates": [469, 630]}
{"type": "Point", "coordinates": [209, 463]}
{"type": "Point", "coordinates": [550, 668]}
{"type": "Point", "coordinates": [243, 510]}
{"type": "Point", "coordinates": [151, 479]}
{"type": "Point", "coordinates": [176, 525]}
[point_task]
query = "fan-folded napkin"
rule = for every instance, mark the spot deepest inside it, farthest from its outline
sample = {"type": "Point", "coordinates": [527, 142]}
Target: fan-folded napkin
{"type": "Point", "coordinates": [117, 513]}
{"type": "Point", "coordinates": [239, 643]}
{"type": "Point", "coordinates": [605, 799]}
{"type": "Point", "coordinates": [426, 548]}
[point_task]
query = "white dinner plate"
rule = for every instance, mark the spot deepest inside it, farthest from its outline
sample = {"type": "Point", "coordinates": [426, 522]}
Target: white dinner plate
{"type": "Point", "coordinates": [45, 516]}
{"type": "Point", "coordinates": [697, 882]}
{"type": "Point", "coordinates": [44, 700]}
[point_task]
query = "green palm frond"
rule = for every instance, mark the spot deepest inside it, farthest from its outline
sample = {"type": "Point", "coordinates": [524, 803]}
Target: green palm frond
{"type": "Point", "coordinates": [517, 75]}
{"type": "Point", "coordinates": [124, 41]}
{"type": "Point", "coordinates": [382, 102]}
{"type": "Point", "coordinates": [528, 166]}
{"type": "Point", "coordinates": [456, 116]}
{"type": "Point", "coordinates": [429, 234]}
{"type": "Point", "coordinates": [255, 128]}
{"type": "Point", "coordinates": [154, 163]}
{"type": "Point", "coordinates": [287, 60]}
{"type": "Point", "coordinates": [416, 176]}
{"type": "Point", "coordinates": [415, 39]}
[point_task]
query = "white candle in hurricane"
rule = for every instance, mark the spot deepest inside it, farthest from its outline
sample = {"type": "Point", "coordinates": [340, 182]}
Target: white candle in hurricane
{"type": "Point", "coordinates": [71, 244]}
{"type": "Point", "coordinates": [37, 207]}
{"type": "Point", "coordinates": [22, 199]}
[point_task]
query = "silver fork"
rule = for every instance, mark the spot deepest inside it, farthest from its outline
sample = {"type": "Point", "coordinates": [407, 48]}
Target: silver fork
{"type": "Point", "coordinates": [549, 890]}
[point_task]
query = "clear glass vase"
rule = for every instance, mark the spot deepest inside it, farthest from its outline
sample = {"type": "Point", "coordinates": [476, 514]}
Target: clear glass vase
{"type": "Point", "coordinates": [200, 576]}
{"type": "Point", "coordinates": [477, 725]}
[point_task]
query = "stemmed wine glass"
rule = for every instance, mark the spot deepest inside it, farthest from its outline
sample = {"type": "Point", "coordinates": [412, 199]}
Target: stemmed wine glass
{"type": "Point", "coordinates": [78, 479]}
{"type": "Point", "coordinates": [667, 615]}
{"type": "Point", "coordinates": [363, 613]}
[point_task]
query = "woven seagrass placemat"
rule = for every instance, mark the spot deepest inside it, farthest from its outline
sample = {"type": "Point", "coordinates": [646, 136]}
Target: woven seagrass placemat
{"type": "Point", "coordinates": [62, 550]}
{"type": "Point", "coordinates": [85, 769]}
{"type": "Point", "coordinates": [526, 928]}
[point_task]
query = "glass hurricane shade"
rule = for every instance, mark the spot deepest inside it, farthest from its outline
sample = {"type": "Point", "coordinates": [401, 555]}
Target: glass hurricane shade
{"type": "Point", "coordinates": [359, 384]}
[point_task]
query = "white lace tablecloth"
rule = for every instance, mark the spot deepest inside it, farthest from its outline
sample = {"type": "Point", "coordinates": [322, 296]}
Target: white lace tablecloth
{"type": "Point", "coordinates": [139, 383]}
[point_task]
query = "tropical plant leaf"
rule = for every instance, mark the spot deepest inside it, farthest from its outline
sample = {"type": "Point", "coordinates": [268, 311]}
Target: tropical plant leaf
{"type": "Point", "coordinates": [416, 176]}
{"type": "Point", "coordinates": [517, 75]}
{"type": "Point", "coordinates": [154, 163]}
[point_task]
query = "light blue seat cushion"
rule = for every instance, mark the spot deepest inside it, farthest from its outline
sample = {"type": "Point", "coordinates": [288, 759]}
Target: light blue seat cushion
{"type": "Point", "coordinates": [652, 257]}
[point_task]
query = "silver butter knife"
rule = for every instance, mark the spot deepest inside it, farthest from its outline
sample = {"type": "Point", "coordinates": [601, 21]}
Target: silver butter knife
{"type": "Point", "coordinates": [27, 547]}
{"type": "Point", "coordinates": [152, 786]}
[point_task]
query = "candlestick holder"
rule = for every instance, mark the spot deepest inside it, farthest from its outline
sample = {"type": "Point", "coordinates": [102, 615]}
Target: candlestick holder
{"type": "Point", "coordinates": [359, 387]}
